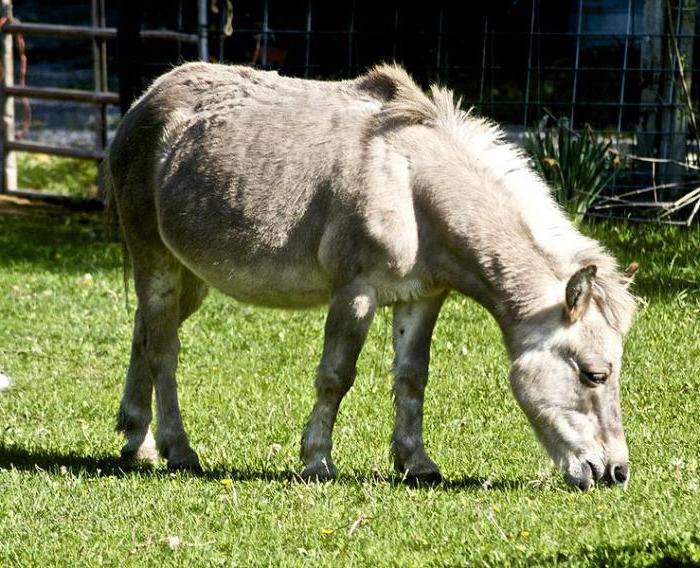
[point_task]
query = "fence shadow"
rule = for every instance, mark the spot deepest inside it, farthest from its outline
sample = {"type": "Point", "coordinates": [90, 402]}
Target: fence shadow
{"type": "Point", "coordinates": [73, 244]}
{"type": "Point", "coordinates": [667, 256]}
{"type": "Point", "coordinates": [661, 553]}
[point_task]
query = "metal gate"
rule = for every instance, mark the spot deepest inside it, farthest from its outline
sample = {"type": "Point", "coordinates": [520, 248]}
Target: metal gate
{"type": "Point", "coordinates": [13, 33]}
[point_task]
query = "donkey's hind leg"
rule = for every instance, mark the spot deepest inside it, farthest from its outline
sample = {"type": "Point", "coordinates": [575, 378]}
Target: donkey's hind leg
{"type": "Point", "coordinates": [167, 294]}
{"type": "Point", "coordinates": [412, 330]}
{"type": "Point", "coordinates": [349, 317]}
{"type": "Point", "coordinates": [134, 416]}
{"type": "Point", "coordinates": [167, 298]}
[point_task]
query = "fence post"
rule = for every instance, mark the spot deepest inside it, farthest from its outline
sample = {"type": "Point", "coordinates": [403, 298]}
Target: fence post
{"type": "Point", "coordinates": [203, 20]}
{"type": "Point", "coordinates": [99, 68]}
{"type": "Point", "coordinates": [675, 116]}
{"type": "Point", "coordinates": [651, 60]}
{"type": "Point", "coordinates": [129, 52]}
{"type": "Point", "coordinates": [8, 159]}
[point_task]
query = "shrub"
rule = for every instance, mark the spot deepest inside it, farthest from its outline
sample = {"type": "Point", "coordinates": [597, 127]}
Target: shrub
{"type": "Point", "coordinates": [577, 165]}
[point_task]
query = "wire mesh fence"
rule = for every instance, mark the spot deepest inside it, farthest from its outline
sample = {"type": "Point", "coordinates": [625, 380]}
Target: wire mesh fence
{"type": "Point", "coordinates": [626, 68]}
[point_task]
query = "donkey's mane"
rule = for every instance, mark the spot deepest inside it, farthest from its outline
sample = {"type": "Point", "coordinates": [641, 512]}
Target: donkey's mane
{"type": "Point", "coordinates": [404, 103]}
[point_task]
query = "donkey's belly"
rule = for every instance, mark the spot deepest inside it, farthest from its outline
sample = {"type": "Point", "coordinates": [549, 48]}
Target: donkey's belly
{"type": "Point", "coordinates": [246, 245]}
{"type": "Point", "coordinates": [266, 281]}
{"type": "Point", "coordinates": [278, 287]}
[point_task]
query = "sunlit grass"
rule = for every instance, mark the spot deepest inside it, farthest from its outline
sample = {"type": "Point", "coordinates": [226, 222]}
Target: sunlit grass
{"type": "Point", "coordinates": [57, 174]}
{"type": "Point", "coordinates": [246, 383]}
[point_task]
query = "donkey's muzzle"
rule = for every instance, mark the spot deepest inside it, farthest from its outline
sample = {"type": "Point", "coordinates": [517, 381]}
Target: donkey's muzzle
{"type": "Point", "coordinates": [618, 473]}
{"type": "Point", "coordinates": [614, 473]}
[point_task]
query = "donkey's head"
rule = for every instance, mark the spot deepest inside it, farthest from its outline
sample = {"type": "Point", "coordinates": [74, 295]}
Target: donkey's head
{"type": "Point", "coordinates": [565, 376]}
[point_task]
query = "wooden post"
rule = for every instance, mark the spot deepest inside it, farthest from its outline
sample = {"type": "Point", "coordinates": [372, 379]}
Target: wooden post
{"type": "Point", "coordinates": [674, 120]}
{"type": "Point", "coordinates": [663, 122]}
{"type": "Point", "coordinates": [8, 159]}
{"type": "Point", "coordinates": [99, 66]}
{"type": "Point", "coordinates": [129, 51]}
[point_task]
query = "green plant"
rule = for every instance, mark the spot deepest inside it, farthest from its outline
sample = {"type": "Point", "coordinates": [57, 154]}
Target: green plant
{"type": "Point", "coordinates": [578, 166]}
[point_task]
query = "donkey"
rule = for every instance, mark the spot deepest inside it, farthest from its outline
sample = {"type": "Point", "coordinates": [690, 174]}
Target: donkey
{"type": "Point", "coordinates": [293, 193]}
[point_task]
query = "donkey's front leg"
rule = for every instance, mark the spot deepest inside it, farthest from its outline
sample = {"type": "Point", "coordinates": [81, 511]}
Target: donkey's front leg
{"type": "Point", "coordinates": [349, 317]}
{"type": "Point", "coordinates": [412, 331]}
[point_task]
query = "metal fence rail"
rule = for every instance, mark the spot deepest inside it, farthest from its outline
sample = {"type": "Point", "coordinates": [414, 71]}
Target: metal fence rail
{"type": "Point", "coordinates": [99, 98]}
{"type": "Point", "coordinates": [92, 32]}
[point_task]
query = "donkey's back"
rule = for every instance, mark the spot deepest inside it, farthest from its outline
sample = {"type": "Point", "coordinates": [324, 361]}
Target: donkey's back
{"type": "Point", "coordinates": [259, 184]}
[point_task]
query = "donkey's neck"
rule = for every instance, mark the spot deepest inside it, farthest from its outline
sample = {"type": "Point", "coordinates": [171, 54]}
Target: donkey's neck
{"type": "Point", "coordinates": [515, 247]}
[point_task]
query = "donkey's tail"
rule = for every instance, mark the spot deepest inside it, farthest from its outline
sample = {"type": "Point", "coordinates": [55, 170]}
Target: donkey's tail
{"type": "Point", "coordinates": [113, 222]}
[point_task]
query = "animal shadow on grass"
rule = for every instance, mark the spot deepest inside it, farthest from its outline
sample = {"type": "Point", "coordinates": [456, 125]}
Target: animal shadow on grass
{"type": "Point", "coordinates": [15, 457]}
{"type": "Point", "coordinates": [662, 553]}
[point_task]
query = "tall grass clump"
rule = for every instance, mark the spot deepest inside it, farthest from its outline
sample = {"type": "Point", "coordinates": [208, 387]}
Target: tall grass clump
{"type": "Point", "coordinates": [577, 165]}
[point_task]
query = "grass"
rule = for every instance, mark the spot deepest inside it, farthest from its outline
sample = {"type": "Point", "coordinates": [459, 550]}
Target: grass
{"type": "Point", "coordinates": [56, 174]}
{"type": "Point", "coordinates": [246, 388]}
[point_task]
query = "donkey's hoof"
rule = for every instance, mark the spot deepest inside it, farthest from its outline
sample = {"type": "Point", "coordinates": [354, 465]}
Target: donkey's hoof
{"type": "Point", "coordinates": [193, 468]}
{"type": "Point", "coordinates": [320, 471]}
{"type": "Point", "coordinates": [187, 461]}
{"type": "Point", "coordinates": [144, 456]}
{"type": "Point", "coordinates": [429, 478]}
{"type": "Point", "coordinates": [423, 473]}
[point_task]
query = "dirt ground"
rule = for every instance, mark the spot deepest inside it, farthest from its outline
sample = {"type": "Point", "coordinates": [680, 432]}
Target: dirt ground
{"type": "Point", "coordinates": [20, 206]}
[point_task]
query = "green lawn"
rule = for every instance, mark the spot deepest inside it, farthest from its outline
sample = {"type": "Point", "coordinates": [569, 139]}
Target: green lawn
{"type": "Point", "coordinates": [55, 174]}
{"type": "Point", "coordinates": [246, 383]}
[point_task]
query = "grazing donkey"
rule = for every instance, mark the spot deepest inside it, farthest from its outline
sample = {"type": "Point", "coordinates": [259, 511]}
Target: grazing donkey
{"type": "Point", "coordinates": [294, 193]}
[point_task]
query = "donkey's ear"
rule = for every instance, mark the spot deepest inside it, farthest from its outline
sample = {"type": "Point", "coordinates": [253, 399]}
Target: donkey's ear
{"type": "Point", "coordinates": [579, 291]}
{"type": "Point", "coordinates": [630, 271]}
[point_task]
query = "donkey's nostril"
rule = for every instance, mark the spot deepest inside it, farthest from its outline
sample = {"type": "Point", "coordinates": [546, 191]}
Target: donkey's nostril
{"type": "Point", "coordinates": [620, 473]}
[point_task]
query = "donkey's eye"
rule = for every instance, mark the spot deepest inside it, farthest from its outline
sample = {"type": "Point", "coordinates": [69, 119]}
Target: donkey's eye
{"type": "Point", "coordinates": [596, 378]}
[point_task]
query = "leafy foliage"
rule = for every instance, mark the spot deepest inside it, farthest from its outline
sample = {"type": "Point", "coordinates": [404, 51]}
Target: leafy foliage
{"type": "Point", "coordinates": [578, 166]}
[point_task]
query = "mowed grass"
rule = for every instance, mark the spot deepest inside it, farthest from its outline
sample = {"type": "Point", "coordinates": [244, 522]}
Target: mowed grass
{"type": "Point", "coordinates": [246, 387]}
{"type": "Point", "coordinates": [55, 174]}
